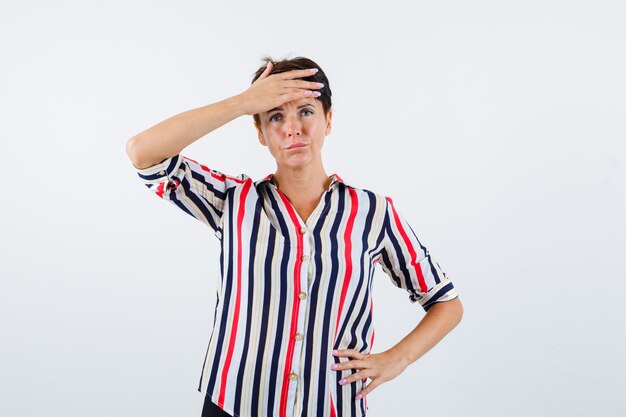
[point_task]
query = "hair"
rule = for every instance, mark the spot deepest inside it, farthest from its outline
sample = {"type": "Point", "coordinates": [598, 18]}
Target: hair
{"type": "Point", "coordinates": [297, 63]}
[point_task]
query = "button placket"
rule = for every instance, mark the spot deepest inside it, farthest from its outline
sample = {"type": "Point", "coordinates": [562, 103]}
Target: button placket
{"type": "Point", "coordinates": [302, 308]}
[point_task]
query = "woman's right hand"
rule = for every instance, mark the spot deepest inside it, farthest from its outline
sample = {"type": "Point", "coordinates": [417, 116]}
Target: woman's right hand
{"type": "Point", "coordinates": [269, 92]}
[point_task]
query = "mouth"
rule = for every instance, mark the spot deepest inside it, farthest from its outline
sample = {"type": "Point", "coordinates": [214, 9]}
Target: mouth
{"type": "Point", "coordinates": [297, 145]}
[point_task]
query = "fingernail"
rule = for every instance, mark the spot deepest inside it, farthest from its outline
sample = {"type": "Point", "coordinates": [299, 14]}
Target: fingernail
{"type": "Point", "coordinates": [358, 396]}
{"type": "Point", "coordinates": [334, 352]}
{"type": "Point", "coordinates": [333, 366]}
{"type": "Point", "coordinates": [317, 93]}
{"type": "Point", "coordinates": [314, 70]}
{"type": "Point", "coordinates": [342, 381]}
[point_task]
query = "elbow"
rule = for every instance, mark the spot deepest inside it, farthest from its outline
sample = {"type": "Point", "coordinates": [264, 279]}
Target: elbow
{"type": "Point", "coordinates": [131, 149]}
{"type": "Point", "coordinates": [134, 153]}
{"type": "Point", "coordinates": [458, 307]}
{"type": "Point", "coordinates": [142, 153]}
{"type": "Point", "coordinates": [453, 311]}
{"type": "Point", "coordinates": [450, 312]}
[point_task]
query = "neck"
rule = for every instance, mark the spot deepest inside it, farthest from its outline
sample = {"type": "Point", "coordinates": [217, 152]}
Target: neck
{"type": "Point", "coordinates": [305, 182]}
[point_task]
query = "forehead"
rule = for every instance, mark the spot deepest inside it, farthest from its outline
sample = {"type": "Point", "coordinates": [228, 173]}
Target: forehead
{"type": "Point", "coordinates": [295, 104]}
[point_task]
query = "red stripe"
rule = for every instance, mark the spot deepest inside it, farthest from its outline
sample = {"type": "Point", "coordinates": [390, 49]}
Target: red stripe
{"type": "Point", "coordinates": [347, 254]}
{"type": "Point", "coordinates": [333, 413]}
{"type": "Point", "coordinates": [338, 177]}
{"type": "Point", "coordinates": [295, 308]}
{"type": "Point", "coordinates": [214, 175]}
{"type": "Point", "coordinates": [233, 334]}
{"type": "Point", "coordinates": [407, 242]}
{"type": "Point", "coordinates": [160, 189]}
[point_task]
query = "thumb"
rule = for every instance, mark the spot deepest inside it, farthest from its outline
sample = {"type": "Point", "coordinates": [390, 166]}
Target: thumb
{"type": "Point", "coordinates": [267, 70]}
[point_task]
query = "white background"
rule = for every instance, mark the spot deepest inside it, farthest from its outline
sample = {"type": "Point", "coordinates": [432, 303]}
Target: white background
{"type": "Point", "coordinates": [496, 126]}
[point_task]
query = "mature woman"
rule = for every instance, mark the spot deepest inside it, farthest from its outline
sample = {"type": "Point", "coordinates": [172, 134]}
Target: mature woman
{"type": "Point", "coordinates": [292, 332]}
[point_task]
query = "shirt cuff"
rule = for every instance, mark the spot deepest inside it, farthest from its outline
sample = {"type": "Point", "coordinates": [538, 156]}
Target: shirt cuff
{"type": "Point", "coordinates": [444, 291]}
{"type": "Point", "coordinates": [160, 172]}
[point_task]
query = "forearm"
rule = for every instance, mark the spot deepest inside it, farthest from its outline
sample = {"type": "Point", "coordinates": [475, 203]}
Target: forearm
{"type": "Point", "coordinates": [171, 136]}
{"type": "Point", "coordinates": [440, 319]}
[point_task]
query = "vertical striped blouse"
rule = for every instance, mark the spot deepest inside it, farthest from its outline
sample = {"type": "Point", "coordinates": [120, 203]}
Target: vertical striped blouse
{"type": "Point", "coordinates": [291, 290]}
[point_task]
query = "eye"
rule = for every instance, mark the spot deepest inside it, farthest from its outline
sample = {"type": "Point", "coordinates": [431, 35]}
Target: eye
{"type": "Point", "coordinates": [273, 116]}
{"type": "Point", "coordinates": [307, 110]}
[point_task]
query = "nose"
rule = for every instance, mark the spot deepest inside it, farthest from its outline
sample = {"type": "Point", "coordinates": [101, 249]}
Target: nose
{"type": "Point", "coordinates": [293, 126]}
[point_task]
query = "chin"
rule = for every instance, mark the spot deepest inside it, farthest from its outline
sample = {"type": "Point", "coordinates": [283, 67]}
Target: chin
{"type": "Point", "coordinates": [297, 162]}
{"type": "Point", "coordinates": [300, 157]}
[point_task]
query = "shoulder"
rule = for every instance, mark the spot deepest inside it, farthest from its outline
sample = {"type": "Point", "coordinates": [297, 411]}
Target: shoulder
{"type": "Point", "coordinates": [377, 198]}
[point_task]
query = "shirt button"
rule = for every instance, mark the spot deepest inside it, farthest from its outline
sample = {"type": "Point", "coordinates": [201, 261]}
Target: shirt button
{"type": "Point", "coordinates": [298, 336]}
{"type": "Point", "coordinates": [293, 376]}
{"type": "Point", "coordinates": [161, 172]}
{"type": "Point", "coordinates": [303, 230]}
{"type": "Point", "coordinates": [305, 257]}
{"type": "Point", "coordinates": [302, 295]}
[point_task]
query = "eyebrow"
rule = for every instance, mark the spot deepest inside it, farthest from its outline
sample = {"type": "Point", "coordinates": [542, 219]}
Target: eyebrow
{"type": "Point", "coordinates": [299, 107]}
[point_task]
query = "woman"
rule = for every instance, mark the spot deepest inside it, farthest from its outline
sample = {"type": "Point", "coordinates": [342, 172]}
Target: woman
{"type": "Point", "coordinates": [292, 332]}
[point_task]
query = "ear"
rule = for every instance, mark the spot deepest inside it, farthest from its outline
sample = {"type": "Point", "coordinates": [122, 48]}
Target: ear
{"type": "Point", "coordinates": [329, 117]}
{"type": "Point", "coordinates": [260, 135]}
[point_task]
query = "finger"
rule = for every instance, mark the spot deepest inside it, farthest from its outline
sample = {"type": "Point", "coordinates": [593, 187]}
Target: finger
{"type": "Point", "coordinates": [306, 93]}
{"type": "Point", "coordinates": [369, 388]}
{"type": "Point", "coordinates": [349, 352]}
{"type": "Point", "coordinates": [354, 377]}
{"type": "Point", "coordinates": [288, 75]}
{"type": "Point", "coordinates": [353, 364]}
{"type": "Point", "coordinates": [301, 84]}
{"type": "Point", "coordinates": [298, 95]}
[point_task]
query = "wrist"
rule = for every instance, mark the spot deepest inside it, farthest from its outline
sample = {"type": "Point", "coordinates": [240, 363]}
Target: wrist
{"type": "Point", "coordinates": [237, 104]}
{"type": "Point", "coordinates": [402, 355]}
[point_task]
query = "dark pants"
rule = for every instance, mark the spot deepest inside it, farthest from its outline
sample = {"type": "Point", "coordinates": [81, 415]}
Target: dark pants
{"type": "Point", "coordinates": [211, 410]}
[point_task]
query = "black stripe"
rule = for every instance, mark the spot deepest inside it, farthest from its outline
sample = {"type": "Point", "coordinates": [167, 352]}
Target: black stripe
{"type": "Point", "coordinates": [198, 176]}
{"type": "Point", "coordinates": [254, 234]}
{"type": "Point", "coordinates": [313, 296]}
{"type": "Point", "coordinates": [201, 203]}
{"type": "Point", "coordinates": [364, 301]}
{"type": "Point", "coordinates": [168, 170]}
{"type": "Point", "coordinates": [282, 301]}
{"type": "Point", "coordinates": [260, 359]}
{"type": "Point", "coordinates": [353, 340]}
{"type": "Point", "coordinates": [386, 262]}
{"type": "Point", "coordinates": [331, 291]}
{"type": "Point", "coordinates": [226, 288]}
{"type": "Point", "coordinates": [433, 271]}
{"type": "Point", "coordinates": [402, 266]}
{"type": "Point", "coordinates": [438, 295]}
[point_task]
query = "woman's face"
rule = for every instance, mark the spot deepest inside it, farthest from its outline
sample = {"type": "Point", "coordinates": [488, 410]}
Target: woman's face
{"type": "Point", "coordinates": [294, 132]}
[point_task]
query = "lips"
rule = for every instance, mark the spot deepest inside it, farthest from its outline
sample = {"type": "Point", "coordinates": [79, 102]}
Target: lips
{"type": "Point", "coordinates": [296, 145]}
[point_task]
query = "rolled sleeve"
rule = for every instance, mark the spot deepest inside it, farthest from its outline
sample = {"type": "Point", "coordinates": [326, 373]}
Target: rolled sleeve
{"type": "Point", "coordinates": [198, 190]}
{"type": "Point", "coordinates": [161, 172]}
{"type": "Point", "coordinates": [409, 264]}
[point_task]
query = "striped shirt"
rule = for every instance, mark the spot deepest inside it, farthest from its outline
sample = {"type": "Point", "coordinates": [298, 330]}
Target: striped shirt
{"type": "Point", "coordinates": [291, 291]}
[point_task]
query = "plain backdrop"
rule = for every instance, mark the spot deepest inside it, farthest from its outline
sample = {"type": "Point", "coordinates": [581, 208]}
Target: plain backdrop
{"type": "Point", "coordinates": [496, 126]}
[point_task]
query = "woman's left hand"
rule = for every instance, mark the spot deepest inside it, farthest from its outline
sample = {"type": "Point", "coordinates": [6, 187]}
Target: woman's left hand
{"type": "Point", "coordinates": [379, 367]}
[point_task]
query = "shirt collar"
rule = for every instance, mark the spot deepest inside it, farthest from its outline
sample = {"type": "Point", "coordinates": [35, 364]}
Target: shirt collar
{"type": "Point", "coordinates": [336, 179]}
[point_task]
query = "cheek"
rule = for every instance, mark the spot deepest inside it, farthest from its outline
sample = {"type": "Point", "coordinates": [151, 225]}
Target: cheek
{"type": "Point", "coordinates": [272, 146]}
